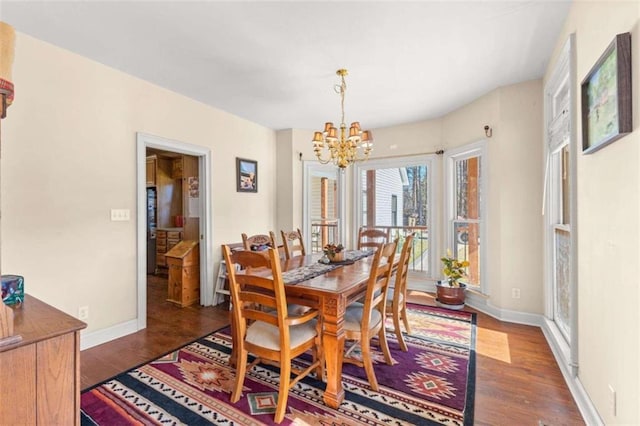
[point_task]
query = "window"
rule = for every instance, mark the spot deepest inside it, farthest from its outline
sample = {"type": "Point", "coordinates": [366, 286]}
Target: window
{"type": "Point", "coordinates": [396, 194]}
{"type": "Point", "coordinates": [465, 212]}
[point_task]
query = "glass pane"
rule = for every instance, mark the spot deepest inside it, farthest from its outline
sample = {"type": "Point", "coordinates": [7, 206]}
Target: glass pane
{"type": "Point", "coordinates": [466, 246]}
{"type": "Point", "coordinates": [562, 289]}
{"type": "Point", "coordinates": [565, 186]}
{"type": "Point", "coordinates": [324, 212]}
{"type": "Point", "coordinates": [395, 197]}
{"type": "Point", "coordinates": [467, 181]}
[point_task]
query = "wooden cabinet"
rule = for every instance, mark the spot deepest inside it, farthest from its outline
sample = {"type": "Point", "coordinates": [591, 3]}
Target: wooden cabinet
{"type": "Point", "coordinates": [183, 262]}
{"type": "Point", "coordinates": [152, 167]}
{"type": "Point", "coordinates": [40, 376]}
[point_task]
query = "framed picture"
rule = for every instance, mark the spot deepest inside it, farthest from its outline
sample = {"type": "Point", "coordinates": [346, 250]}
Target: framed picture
{"type": "Point", "coordinates": [606, 97]}
{"type": "Point", "coordinates": [246, 175]}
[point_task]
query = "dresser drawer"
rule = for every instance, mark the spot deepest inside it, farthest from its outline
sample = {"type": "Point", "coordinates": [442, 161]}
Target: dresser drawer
{"type": "Point", "coordinates": [160, 234]}
{"type": "Point", "coordinates": [161, 260]}
{"type": "Point", "coordinates": [174, 235]}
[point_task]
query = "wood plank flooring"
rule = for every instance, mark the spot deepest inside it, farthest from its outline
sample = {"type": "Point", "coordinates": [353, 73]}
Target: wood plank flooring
{"type": "Point", "coordinates": [517, 378]}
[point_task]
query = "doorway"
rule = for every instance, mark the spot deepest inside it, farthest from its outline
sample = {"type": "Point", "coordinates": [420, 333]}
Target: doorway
{"type": "Point", "coordinates": [186, 205]}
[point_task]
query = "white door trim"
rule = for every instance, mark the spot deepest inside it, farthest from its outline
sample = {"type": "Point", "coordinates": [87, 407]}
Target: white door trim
{"type": "Point", "coordinates": [144, 141]}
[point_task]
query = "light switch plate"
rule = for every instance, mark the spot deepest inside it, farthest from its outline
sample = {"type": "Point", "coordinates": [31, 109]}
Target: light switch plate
{"type": "Point", "coordinates": [120, 215]}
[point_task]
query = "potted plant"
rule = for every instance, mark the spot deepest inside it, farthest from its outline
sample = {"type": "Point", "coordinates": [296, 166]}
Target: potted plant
{"type": "Point", "coordinates": [451, 292]}
{"type": "Point", "coordinates": [335, 252]}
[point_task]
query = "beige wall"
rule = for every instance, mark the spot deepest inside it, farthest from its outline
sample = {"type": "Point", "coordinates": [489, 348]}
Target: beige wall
{"type": "Point", "coordinates": [289, 180]}
{"type": "Point", "coordinates": [69, 156]}
{"type": "Point", "coordinates": [608, 226]}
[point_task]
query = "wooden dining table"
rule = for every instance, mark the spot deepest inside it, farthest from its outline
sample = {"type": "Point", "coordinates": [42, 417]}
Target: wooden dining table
{"type": "Point", "coordinates": [332, 291]}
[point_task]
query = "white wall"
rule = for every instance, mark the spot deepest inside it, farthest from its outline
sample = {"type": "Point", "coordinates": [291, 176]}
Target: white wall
{"type": "Point", "coordinates": [608, 226]}
{"type": "Point", "coordinates": [69, 156]}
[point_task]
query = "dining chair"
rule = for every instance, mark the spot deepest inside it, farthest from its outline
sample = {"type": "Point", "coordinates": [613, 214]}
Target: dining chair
{"type": "Point", "coordinates": [363, 321]}
{"type": "Point", "coordinates": [272, 336]}
{"type": "Point", "coordinates": [397, 295]}
{"type": "Point", "coordinates": [258, 242]}
{"type": "Point", "coordinates": [370, 238]}
{"type": "Point", "coordinates": [293, 243]}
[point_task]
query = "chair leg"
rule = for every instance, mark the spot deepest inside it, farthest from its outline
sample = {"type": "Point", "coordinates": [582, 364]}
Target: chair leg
{"type": "Point", "coordinates": [396, 324]}
{"type": "Point", "coordinates": [365, 346]}
{"type": "Point", "coordinates": [283, 390]}
{"type": "Point", "coordinates": [405, 319]}
{"type": "Point", "coordinates": [241, 370]}
{"type": "Point", "coordinates": [382, 337]}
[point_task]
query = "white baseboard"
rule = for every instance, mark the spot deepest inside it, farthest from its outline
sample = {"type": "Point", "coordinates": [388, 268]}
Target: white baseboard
{"type": "Point", "coordinates": [561, 352]}
{"type": "Point", "coordinates": [98, 337]}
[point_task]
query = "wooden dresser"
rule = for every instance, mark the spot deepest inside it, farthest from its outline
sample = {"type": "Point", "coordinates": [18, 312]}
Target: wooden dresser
{"type": "Point", "coordinates": [40, 376]}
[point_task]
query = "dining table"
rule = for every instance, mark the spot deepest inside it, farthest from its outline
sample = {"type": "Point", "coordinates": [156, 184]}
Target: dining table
{"type": "Point", "coordinates": [330, 292]}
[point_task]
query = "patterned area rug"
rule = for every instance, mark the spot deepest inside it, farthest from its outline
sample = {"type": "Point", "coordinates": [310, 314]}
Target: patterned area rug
{"type": "Point", "coordinates": [432, 384]}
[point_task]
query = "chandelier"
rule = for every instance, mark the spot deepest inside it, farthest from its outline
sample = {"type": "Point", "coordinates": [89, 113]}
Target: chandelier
{"type": "Point", "coordinates": [343, 149]}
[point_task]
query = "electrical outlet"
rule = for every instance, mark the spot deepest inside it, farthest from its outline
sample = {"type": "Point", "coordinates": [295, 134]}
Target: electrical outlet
{"type": "Point", "coordinates": [612, 400]}
{"type": "Point", "coordinates": [83, 313]}
{"type": "Point", "coordinates": [515, 293]}
{"type": "Point", "coordinates": [120, 214]}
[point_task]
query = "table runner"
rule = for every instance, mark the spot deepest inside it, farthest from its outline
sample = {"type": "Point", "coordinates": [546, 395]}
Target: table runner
{"type": "Point", "coordinates": [304, 273]}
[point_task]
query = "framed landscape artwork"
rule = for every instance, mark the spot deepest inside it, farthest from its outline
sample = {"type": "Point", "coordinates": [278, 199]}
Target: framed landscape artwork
{"type": "Point", "coordinates": [606, 97]}
{"type": "Point", "coordinates": [246, 175]}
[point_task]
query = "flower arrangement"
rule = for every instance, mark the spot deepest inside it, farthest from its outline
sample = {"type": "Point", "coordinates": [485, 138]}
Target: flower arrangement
{"type": "Point", "coordinates": [332, 249]}
{"type": "Point", "coordinates": [334, 252]}
{"type": "Point", "coordinates": [454, 269]}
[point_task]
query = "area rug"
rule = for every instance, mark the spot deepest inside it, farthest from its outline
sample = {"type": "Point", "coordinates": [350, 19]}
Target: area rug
{"type": "Point", "coordinates": [431, 384]}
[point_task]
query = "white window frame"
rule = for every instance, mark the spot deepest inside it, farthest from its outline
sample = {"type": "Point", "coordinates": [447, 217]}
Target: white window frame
{"type": "Point", "coordinates": [560, 131]}
{"type": "Point", "coordinates": [475, 149]}
{"type": "Point", "coordinates": [433, 173]}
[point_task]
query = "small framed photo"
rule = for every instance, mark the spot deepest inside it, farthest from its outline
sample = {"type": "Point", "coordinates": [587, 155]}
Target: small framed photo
{"type": "Point", "coordinates": [246, 175]}
{"type": "Point", "coordinates": [606, 97]}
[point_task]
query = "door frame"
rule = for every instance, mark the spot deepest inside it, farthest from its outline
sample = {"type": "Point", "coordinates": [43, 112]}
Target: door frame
{"type": "Point", "coordinates": [144, 141]}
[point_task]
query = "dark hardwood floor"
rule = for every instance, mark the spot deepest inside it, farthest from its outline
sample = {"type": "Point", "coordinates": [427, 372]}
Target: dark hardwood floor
{"type": "Point", "coordinates": [168, 327]}
{"type": "Point", "coordinates": [517, 378]}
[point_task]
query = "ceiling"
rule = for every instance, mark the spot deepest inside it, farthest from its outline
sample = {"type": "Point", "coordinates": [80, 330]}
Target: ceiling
{"type": "Point", "coordinates": [274, 63]}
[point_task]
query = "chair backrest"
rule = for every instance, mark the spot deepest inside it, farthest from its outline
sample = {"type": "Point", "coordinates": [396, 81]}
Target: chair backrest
{"type": "Point", "coordinates": [258, 242]}
{"type": "Point", "coordinates": [257, 290]}
{"type": "Point", "coordinates": [400, 283]}
{"type": "Point", "coordinates": [293, 244]}
{"type": "Point", "coordinates": [371, 238]}
{"type": "Point", "coordinates": [381, 269]}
